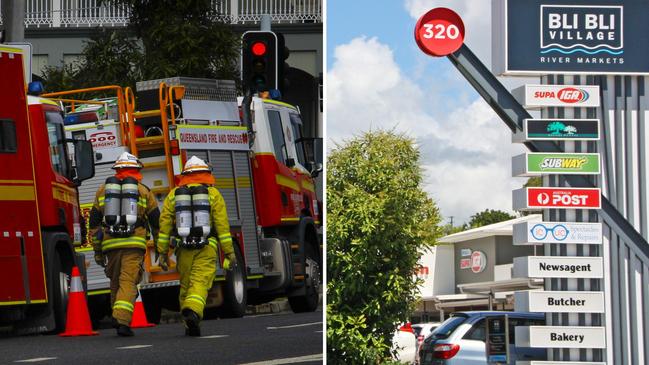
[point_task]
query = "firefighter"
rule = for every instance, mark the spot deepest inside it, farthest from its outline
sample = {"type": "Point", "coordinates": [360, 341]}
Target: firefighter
{"type": "Point", "coordinates": [123, 212]}
{"type": "Point", "coordinates": [194, 213]}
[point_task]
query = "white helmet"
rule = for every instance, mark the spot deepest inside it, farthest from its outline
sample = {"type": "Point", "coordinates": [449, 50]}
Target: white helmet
{"type": "Point", "coordinates": [127, 160]}
{"type": "Point", "coordinates": [195, 164]}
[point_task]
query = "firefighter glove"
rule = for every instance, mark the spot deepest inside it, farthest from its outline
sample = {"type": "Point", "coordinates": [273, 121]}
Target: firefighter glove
{"type": "Point", "coordinates": [100, 259]}
{"type": "Point", "coordinates": [229, 260]}
{"type": "Point", "coordinates": [163, 261]}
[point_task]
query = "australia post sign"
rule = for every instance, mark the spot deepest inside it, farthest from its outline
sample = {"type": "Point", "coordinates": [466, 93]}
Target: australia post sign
{"type": "Point", "coordinates": [556, 198]}
{"type": "Point", "coordinates": [212, 138]}
{"type": "Point", "coordinates": [576, 36]}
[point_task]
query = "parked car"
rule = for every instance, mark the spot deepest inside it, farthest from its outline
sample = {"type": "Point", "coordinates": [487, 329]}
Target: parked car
{"type": "Point", "coordinates": [460, 340]}
{"type": "Point", "coordinates": [422, 330]}
{"type": "Point", "coordinates": [405, 343]}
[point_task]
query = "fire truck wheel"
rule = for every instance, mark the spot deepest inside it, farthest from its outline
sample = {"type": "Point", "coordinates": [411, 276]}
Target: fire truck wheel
{"type": "Point", "coordinates": [61, 281]}
{"type": "Point", "coordinates": [309, 301]}
{"type": "Point", "coordinates": [235, 292]}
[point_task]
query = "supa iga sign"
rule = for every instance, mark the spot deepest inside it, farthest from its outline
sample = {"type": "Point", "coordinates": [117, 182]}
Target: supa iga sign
{"type": "Point", "coordinates": [542, 198]}
{"type": "Point", "coordinates": [558, 129]}
{"type": "Point", "coordinates": [534, 164]}
{"type": "Point", "coordinates": [213, 138]}
{"type": "Point", "coordinates": [584, 36]}
{"type": "Point", "coordinates": [578, 96]}
{"type": "Point", "coordinates": [537, 233]}
{"type": "Point", "coordinates": [439, 32]}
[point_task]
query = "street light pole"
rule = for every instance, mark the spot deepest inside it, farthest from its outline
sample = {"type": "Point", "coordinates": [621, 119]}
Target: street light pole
{"type": "Point", "coordinates": [14, 20]}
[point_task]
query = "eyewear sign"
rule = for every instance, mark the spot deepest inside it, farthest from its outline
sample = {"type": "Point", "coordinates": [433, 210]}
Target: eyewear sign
{"type": "Point", "coordinates": [559, 301]}
{"type": "Point", "coordinates": [561, 337]}
{"type": "Point", "coordinates": [534, 164]}
{"type": "Point", "coordinates": [572, 267]}
{"type": "Point", "coordinates": [578, 96]}
{"type": "Point", "coordinates": [540, 198]}
{"type": "Point", "coordinates": [531, 233]}
{"type": "Point", "coordinates": [559, 129]}
{"type": "Point", "coordinates": [587, 36]}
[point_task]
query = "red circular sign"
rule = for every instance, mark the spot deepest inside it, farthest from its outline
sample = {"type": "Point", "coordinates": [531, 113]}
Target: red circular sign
{"type": "Point", "coordinates": [439, 32]}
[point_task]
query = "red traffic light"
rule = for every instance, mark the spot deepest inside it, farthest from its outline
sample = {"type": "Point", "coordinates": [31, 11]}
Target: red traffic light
{"type": "Point", "coordinates": [258, 48]}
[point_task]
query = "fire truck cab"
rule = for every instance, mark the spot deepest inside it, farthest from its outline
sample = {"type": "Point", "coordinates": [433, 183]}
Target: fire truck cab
{"type": "Point", "coordinates": [39, 208]}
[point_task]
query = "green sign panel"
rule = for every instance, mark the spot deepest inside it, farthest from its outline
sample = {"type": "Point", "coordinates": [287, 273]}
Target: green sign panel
{"type": "Point", "coordinates": [563, 163]}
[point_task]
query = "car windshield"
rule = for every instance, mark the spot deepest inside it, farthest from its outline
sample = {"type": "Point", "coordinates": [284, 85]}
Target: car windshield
{"type": "Point", "coordinates": [446, 328]}
{"type": "Point", "coordinates": [417, 330]}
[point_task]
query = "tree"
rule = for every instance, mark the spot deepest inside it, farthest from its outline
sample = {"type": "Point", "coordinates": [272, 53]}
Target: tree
{"type": "Point", "coordinates": [183, 38]}
{"type": "Point", "coordinates": [535, 181]}
{"type": "Point", "coordinates": [165, 38]}
{"type": "Point", "coordinates": [378, 221]}
{"type": "Point", "coordinates": [488, 216]}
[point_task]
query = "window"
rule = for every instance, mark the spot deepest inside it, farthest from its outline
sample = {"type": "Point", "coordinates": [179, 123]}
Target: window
{"type": "Point", "coordinates": [56, 136]}
{"type": "Point", "coordinates": [277, 134]}
{"type": "Point", "coordinates": [448, 327]}
{"type": "Point", "coordinates": [296, 123]}
{"type": "Point", "coordinates": [478, 332]}
{"type": "Point", "coordinates": [8, 143]}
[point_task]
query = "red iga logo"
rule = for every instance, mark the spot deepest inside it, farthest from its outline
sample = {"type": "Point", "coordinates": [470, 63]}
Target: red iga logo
{"type": "Point", "coordinates": [103, 139]}
{"type": "Point", "coordinates": [478, 262]}
{"type": "Point", "coordinates": [571, 95]}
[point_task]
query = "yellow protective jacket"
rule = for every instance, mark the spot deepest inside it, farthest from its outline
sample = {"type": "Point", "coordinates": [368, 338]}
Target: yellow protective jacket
{"type": "Point", "coordinates": [148, 216]}
{"type": "Point", "coordinates": [218, 216]}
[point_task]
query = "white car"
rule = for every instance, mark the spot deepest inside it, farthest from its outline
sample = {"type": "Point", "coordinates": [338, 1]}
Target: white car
{"type": "Point", "coordinates": [405, 342]}
{"type": "Point", "coordinates": [421, 331]}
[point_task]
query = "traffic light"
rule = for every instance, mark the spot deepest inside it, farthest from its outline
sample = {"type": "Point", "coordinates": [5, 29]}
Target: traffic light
{"type": "Point", "coordinates": [259, 61]}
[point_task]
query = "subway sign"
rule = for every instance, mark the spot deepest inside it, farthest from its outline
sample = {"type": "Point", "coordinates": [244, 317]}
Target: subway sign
{"type": "Point", "coordinates": [578, 96]}
{"type": "Point", "coordinates": [558, 129]}
{"type": "Point", "coordinates": [556, 198]}
{"type": "Point", "coordinates": [535, 163]}
{"type": "Point", "coordinates": [585, 36]}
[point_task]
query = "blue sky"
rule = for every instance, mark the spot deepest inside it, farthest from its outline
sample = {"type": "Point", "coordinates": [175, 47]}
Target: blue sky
{"type": "Point", "coordinates": [378, 78]}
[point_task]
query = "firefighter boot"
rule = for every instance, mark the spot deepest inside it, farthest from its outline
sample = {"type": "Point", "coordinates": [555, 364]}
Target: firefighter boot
{"type": "Point", "coordinates": [192, 327]}
{"type": "Point", "coordinates": [124, 331]}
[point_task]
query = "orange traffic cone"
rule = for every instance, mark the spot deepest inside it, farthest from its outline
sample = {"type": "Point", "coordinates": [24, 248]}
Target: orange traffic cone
{"type": "Point", "coordinates": [139, 316]}
{"type": "Point", "coordinates": [78, 320]}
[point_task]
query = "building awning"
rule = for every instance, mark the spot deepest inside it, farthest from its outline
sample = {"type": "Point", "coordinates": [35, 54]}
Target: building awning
{"type": "Point", "coordinates": [497, 229]}
{"type": "Point", "coordinates": [492, 287]}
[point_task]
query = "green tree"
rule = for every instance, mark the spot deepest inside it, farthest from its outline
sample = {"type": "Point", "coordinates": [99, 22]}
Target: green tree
{"type": "Point", "coordinates": [183, 38]}
{"type": "Point", "coordinates": [556, 127]}
{"type": "Point", "coordinates": [488, 216]}
{"type": "Point", "coordinates": [535, 181]}
{"type": "Point", "coordinates": [378, 221]}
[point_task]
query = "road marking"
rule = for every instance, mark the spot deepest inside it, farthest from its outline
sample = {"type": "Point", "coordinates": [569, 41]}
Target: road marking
{"type": "Point", "coordinates": [295, 325]}
{"type": "Point", "coordinates": [288, 360]}
{"type": "Point", "coordinates": [38, 359]}
{"type": "Point", "coordinates": [215, 336]}
{"type": "Point", "coordinates": [133, 347]}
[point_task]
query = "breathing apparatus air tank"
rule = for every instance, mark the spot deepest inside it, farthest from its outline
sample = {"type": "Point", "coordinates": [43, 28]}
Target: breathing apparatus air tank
{"type": "Point", "coordinates": [112, 201]}
{"type": "Point", "coordinates": [201, 208]}
{"type": "Point", "coordinates": [183, 212]}
{"type": "Point", "coordinates": [130, 196]}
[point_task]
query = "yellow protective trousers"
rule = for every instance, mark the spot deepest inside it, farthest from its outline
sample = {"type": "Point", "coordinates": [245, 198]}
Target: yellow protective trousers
{"type": "Point", "coordinates": [124, 269]}
{"type": "Point", "coordinates": [197, 268]}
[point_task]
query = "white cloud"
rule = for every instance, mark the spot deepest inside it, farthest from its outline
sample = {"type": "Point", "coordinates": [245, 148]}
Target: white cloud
{"type": "Point", "coordinates": [466, 153]}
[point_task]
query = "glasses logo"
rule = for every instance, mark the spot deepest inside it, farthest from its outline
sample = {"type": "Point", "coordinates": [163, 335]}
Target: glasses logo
{"type": "Point", "coordinates": [559, 232]}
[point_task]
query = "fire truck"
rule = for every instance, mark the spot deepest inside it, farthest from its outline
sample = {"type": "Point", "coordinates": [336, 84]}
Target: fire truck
{"type": "Point", "coordinates": [39, 208]}
{"type": "Point", "coordinates": [263, 166]}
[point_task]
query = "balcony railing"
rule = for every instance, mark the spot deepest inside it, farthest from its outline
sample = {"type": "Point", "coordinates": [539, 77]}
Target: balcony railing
{"type": "Point", "coordinates": [88, 13]}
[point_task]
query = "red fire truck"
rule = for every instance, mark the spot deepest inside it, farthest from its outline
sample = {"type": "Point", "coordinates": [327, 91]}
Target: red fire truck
{"type": "Point", "coordinates": [39, 209]}
{"type": "Point", "coordinates": [263, 166]}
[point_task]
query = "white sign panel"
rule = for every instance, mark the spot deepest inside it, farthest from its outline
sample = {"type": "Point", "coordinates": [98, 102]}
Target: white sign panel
{"type": "Point", "coordinates": [577, 96]}
{"type": "Point", "coordinates": [558, 267]}
{"type": "Point", "coordinates": [536, 233]}
{"type": "Point", "coordinates": [559, 301]}
{"type": "Point", "coordinates": [561, 337]}
{"type": "Point", "coordinates": [212, 138]}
